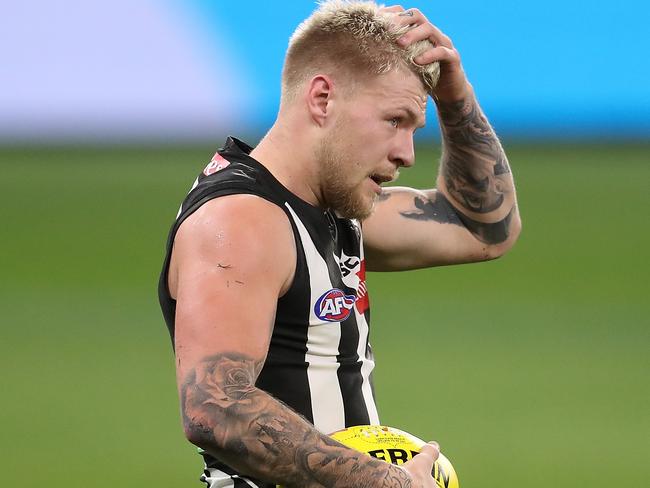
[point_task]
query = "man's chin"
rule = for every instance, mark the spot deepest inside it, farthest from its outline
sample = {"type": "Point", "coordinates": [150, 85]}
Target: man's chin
{"type": "Point", "coordinates": [357, 210]}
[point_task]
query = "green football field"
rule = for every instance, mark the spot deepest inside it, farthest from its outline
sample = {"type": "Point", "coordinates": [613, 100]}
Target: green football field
{"type": "Point", "coordinates": [531, 371]}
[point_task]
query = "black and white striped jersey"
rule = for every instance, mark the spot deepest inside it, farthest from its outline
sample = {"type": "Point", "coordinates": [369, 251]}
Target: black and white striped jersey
{"type": "Point", "coordinates": [319, 360]}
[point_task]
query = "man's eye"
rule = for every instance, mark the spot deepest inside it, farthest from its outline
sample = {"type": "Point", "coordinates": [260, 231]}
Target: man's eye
{"type": "Point", "coordinates": [395, 122]}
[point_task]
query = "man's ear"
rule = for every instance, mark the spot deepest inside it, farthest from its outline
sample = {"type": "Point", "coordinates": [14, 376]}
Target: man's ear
{"type": "Point", "coordinates": [319, 98]}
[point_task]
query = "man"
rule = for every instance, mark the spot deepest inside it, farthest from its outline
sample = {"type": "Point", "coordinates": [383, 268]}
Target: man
{"type": "Point", "coordinates": [263, 288]}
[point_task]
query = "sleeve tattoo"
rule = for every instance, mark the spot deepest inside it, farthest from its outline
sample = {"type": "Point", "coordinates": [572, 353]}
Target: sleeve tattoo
{"type": "Point", "coordinates": [225, 414]}
{"type": "Point", "coordinates": [440, 210]}
{"type": "Point", "coordinates": [476, 173]}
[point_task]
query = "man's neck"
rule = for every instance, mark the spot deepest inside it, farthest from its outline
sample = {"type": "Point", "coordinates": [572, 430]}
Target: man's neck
{"type": "Point", "coordinates": [291, 161]}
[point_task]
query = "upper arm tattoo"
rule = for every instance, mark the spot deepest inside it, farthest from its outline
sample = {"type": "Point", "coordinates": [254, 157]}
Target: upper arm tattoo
{"type": "Point", "coordinates": [474, 166]}
{"type": "Point", "coordinates": [258, 435]}
{"type": "Point", "coordinates": [437, 209]}
{"type": "Point", "coordinates": [440, 210]}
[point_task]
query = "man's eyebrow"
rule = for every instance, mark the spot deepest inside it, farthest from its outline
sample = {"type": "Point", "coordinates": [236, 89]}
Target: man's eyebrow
{"type": "Point", "coordinates": [418, 118]}
{"type": "Point", "coordinates": [415, 117]}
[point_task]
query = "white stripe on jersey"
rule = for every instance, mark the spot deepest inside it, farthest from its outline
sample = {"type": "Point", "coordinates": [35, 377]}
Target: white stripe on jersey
{"type": "Point", "coordinates": [322, 344]}
{"type": "Point", "coordinates": [368, 364]}
{"type": "Point", "coordinates": [217, 479]}
{"type": "Point", "coordinates": [221, 479]}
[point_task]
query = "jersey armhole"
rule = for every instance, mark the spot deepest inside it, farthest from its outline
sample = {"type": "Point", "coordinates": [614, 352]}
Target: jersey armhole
{"type": "Point", "coordinates": [164, 279]}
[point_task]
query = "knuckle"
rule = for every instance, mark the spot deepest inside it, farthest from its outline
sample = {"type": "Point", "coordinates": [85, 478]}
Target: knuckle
{"type": "Point", "coordinates": [450, 53]}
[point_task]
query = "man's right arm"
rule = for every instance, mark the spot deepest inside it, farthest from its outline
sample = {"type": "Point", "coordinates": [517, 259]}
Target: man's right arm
{"type": "Point", "coordinates": [257, 435]}
{"type": "Point", "coordinates": [232, 259]}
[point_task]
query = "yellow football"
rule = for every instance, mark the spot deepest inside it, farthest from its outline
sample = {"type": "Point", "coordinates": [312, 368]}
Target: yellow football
{"type": "Point", "coordinates": [394, 446]}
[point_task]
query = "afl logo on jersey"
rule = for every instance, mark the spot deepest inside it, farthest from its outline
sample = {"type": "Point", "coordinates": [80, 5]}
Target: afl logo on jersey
{"type": "Point", "coordinates": [334, 305]}
{"type": "Point", "coordinates": [216, 163]}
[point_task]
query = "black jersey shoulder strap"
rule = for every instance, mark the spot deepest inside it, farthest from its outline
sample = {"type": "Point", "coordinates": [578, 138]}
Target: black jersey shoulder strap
{"type": "Point", "coordinates": [231, 171]}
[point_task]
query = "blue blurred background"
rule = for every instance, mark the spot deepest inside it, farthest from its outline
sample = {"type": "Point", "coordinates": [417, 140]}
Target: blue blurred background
{"type": "Point", "coordinates": [187, 70]}
{"type": "Point", "coordinates": [531, 371]}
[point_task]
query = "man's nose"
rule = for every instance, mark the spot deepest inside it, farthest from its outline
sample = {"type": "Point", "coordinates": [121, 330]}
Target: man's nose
{"type": "Point", "coordinates": [404, 152]}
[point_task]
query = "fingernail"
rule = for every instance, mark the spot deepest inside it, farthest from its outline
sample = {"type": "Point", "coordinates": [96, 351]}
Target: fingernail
{"type": "Point", "coordinates": [402, 40]}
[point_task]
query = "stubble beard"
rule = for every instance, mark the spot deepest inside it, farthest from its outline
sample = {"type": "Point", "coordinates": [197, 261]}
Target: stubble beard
{"type": "Point", "coordinates": [338, 193]}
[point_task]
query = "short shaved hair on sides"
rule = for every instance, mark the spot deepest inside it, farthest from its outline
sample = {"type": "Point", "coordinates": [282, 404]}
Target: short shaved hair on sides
{"type": "Point", "coordinates": [354, 39]}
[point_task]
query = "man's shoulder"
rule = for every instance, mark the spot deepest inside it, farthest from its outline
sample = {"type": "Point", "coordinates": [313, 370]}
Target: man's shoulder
{"type": "Point", "coordinates": [222, 180]}
{"type": "Point", "coordinates": [239, 230]}
{"type": "Point", "coordinates": [244, 212]}
{"type": "Point", "coordinates": [226, 176]}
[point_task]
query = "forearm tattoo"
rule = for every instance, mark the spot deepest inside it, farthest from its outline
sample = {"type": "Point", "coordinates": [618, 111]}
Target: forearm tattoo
{"type": "Point", "coordinates": [225, 414]}
{"type": "Point", "coordinates": [475, 170]}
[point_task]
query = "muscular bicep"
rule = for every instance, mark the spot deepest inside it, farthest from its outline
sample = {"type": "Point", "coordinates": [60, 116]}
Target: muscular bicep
{"type": "Point", "coordinates": [420, 228]}
{"type": "Point", "coordinates": [231, 261]}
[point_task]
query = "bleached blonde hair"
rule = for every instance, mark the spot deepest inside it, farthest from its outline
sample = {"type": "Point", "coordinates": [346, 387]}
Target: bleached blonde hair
{"type": "Point", "coordinates": [354, 38]}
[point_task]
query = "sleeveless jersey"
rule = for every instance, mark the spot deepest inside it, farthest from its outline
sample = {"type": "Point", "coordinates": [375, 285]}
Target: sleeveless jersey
{"type": "Point", "coordinates": [319, 360]}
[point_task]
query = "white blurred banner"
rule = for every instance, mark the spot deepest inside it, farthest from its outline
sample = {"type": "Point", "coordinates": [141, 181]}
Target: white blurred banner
{"type": "Point", "coordinates": [114, 71]}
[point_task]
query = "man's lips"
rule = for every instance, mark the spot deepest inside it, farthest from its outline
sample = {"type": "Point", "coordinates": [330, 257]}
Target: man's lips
{"type": "Point", "coordinates": [378, 179]}
{"type": "Point", "coordinates": [375, 186]}
{"type": "Point", "coordinates": [381, 178]}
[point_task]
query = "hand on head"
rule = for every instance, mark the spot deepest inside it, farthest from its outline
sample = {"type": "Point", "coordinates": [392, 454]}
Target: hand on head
{"type": "Point", "coordinates": [453, 84]}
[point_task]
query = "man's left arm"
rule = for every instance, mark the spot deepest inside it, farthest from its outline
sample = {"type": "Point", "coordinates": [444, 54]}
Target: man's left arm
{"type": "Point", "coordinates": [472, 215]}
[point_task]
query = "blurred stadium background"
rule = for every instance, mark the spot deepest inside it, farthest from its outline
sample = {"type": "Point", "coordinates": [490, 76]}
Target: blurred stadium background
{"type": "Point", "coordinates": [531, 371]}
